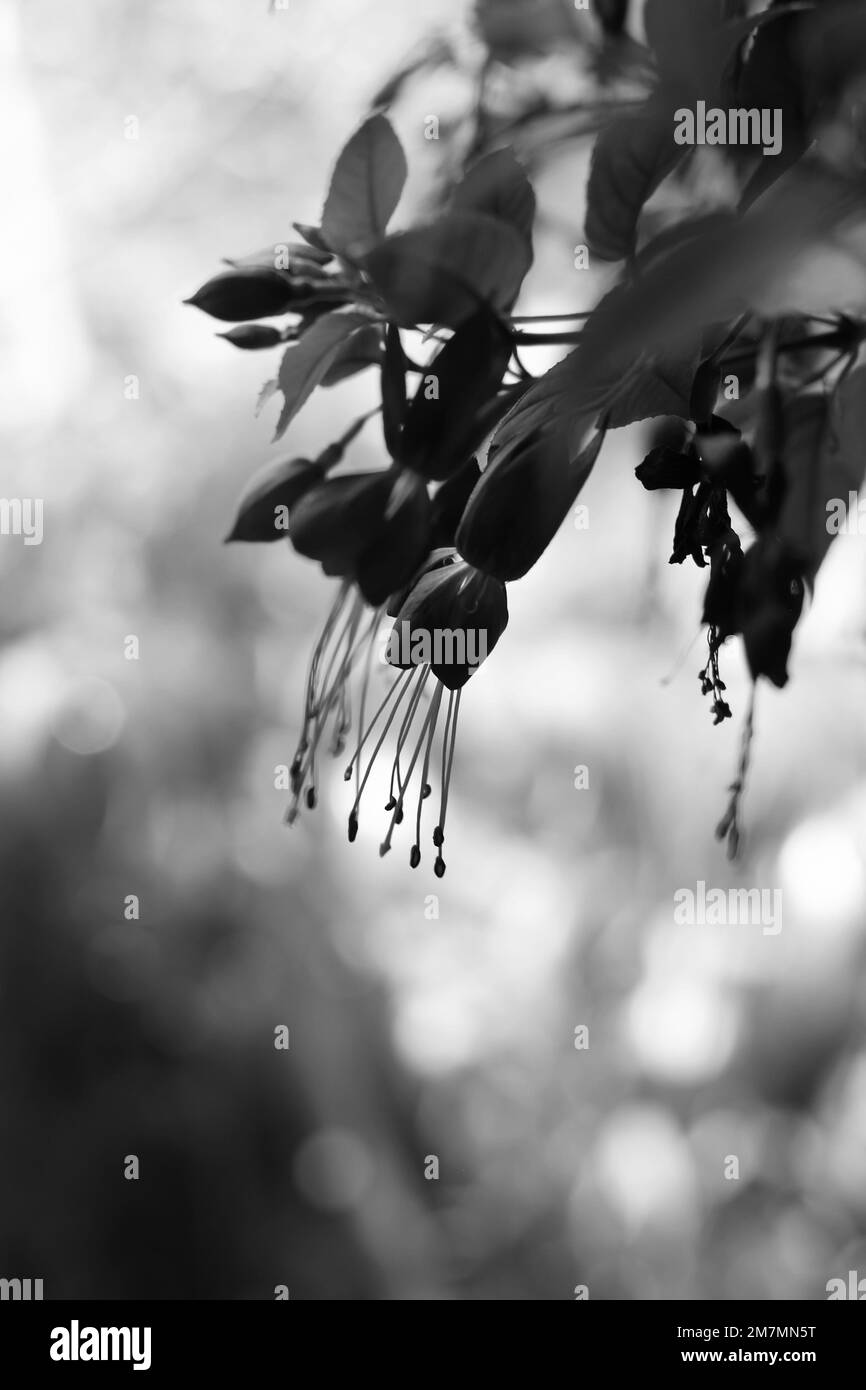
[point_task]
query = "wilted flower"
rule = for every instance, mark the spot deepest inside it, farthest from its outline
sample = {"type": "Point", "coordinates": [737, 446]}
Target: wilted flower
{"type": "Point", "coordinates": [770, 595]}
{"type": "Point", "coordinates": [668, 468]}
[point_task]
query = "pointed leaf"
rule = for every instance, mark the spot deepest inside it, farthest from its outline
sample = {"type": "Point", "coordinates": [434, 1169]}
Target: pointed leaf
{"type": "Point", "coordinates": [631, 157]}
{"type": "Point", "coordinates": [361, 349]}
{"type": "Point", "coordinates": [365, 188]}
{"type": "Point", "coordinates": [305, 363]}
{"type": "Point", "coordinates": [661, 384]}
{"type": "Point", "coordinates": [442, 272]}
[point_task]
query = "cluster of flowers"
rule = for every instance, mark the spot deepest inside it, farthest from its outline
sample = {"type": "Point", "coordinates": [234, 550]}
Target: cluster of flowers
{"type": "Point", "coordinates": [424, 538]}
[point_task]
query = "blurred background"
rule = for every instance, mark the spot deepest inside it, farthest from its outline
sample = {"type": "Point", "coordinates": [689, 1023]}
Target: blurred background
{"type": "Point", "coordinates": [140, 145]}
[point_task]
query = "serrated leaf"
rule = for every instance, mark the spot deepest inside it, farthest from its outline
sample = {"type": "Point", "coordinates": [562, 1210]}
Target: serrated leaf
{"type": "Point", "coordinates": [631, 157]}
{"type": "Point", "coordinates": [497, 185]}
{"type": "Point", "coordinates": [269, 389]}
{"type": "Point", "coordinates": [555, 398]}
{"type": "Point", "coordinates": [661, 384]}
{"type": "Point", "coordinates": [362, 349]}
{"type": "Point", "coordinates": [750, 265]}
{"type": "Point", "coordinates": [442, 272]}
{"type": "Point", "coordinates": [773, 78]}
{"type": "Point", "coordinates": [305, 363]}
{"type": "Point", "coordinates": [365, 188]}
{"type": "Point", "coordinates": [695, 40]}
{"type": "Point", "coordinates": [313, 237]}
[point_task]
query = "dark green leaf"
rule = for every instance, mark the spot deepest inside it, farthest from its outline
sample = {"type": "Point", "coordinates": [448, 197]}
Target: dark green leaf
{"type": "Point", "coordinates": [362, 349]}
{"type": "Point", "coordinates": [305, 363]}
{"type": "Point", "coordinates": [449, 504]}
{"type": "Point", "coordinates": [730, 268]}
{"type": "Point", "coordinates": [631, 157]}
{"type": "Point", "coordinates": [441, 273]}
{"type": "Point", "coordinates": [659, 385]}
{"type": "Point", "coordinates": [365, 188]}
{"type": "Point", "coordinates": [497, 185]}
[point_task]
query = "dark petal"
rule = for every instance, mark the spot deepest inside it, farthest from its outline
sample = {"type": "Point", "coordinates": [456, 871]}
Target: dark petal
{"type": "Point", "coordinates": [668, 468]}
{"type": "Point", "coordinates": [276, 485]}
{"type": "Point", "coordinates": [400, 544]}
{"type": "Point", "coordinates": [336, 522]}
{"type": "Point", "coordinates": [469, 612]}
{"type": "Point", "coordinates": [721, 598]}
{"type": "Point", "coordinates": [767, 637]}
{"type": "Point", "coordinates": [245, 293]}
{"type": "Point", "coordinates": [770, 601]}
{"type": "Point", "coordinates": [441, 432]}
{"type": "Point", "coordinates": [449, 503]}
{"type": "Point", "coordinates": [437, 558]}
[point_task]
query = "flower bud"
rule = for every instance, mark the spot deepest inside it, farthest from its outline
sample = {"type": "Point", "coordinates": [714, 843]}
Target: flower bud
{"type": "Point", "coordinates": [253, 336]}
{"type": "Point", "coordinates": [246, 292]}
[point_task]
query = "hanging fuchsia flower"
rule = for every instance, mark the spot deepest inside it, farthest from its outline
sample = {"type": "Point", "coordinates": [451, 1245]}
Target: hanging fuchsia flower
{"type": "Point", "coordinates": [446, 625]}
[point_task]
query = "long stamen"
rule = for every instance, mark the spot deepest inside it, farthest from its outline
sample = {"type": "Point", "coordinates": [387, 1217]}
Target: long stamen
{"type": "Point", "coordinates": [365, 685]}
{"type": "Point", "coordinates": [397, 815]}
{"type": "Point", "coordinates": [311, 688]}
{"type": "Point", "coordinates": [364, 734]}
{"type": "Point", "coordinates": [447, 762]}
{"type": "Point", "coordinates": [327, 691]}
{"type": "Point", "coordinates": [415, 856]}
{"type": "Point", "coordinates": [401, 740]}
{"type": "Point", "coordinates": [401, 680]}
